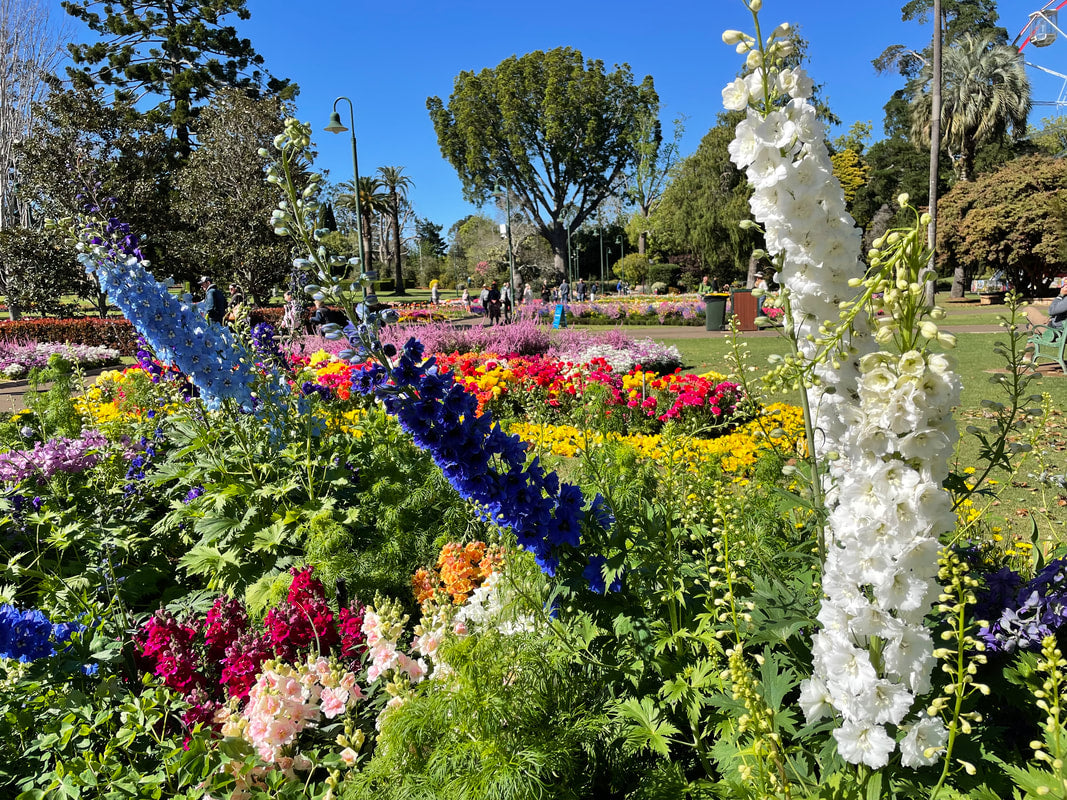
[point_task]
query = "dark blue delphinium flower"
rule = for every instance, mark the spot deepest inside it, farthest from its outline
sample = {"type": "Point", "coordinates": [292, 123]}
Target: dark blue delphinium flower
{"type": "Point", "coordinates": [193, 493]}
{"type": "Point", "coordinates": [1021, 614]}
{"type": "Point", "coordinates": [29, 635]}
{"type": "Point", "coordinates": [546, 516]}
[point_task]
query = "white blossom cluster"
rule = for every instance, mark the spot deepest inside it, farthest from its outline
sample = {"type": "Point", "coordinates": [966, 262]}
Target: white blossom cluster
{"type": "Point", "coordinates": [883, 422]}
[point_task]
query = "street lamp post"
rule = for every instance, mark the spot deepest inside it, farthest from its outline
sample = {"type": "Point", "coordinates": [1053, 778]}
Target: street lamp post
{"type": "Point", "coordinates": [336, 126]}
{"type": "Point", "coordinates": [511, 250]}
{"type": "Point", "coordinates": [622, 250]}
{"type": "Point", "coordinates": [600, 224]}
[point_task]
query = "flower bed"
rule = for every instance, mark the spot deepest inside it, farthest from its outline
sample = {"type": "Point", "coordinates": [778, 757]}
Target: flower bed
{"type": "Point", "coordinates": [18, 358]}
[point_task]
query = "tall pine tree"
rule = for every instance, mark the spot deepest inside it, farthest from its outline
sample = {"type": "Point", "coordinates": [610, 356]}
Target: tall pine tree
{"type": "Point", "coordinates": [178, 50]}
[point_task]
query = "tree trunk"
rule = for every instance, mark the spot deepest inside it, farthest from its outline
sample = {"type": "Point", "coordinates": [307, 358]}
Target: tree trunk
{"type": "Point", "coordinates": [398, 271]}
{"type": "Point", "coordinates": [641, 242]}
{"type": "Point", "coordinates": [935, 154]}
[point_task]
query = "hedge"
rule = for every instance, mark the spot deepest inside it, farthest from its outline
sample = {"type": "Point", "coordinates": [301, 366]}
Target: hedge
{"type": "Point", "coordinates": [117, 333]}
{"type": "Point", "coordinates": [113, 332]}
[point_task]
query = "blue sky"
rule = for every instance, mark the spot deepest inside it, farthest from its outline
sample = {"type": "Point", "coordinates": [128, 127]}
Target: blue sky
{"type": "Point", "coordinates": [390, 56]}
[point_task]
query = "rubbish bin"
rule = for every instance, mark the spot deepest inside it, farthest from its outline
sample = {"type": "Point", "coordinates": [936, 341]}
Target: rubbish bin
{"type": "Point", "coordinates": [714, 311]}
{"type": "Point", "coordinates": [744, 305]}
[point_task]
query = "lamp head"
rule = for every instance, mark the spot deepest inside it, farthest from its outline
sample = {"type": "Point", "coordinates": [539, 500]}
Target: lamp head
{"type": "Point", "coordinates": [335, 126]}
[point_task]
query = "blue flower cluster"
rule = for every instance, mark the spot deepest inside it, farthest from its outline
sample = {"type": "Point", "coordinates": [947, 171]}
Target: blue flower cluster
{"type": "Point", "coordinates": [1020, 613]}
{"type": "Point", "coordinates": [265, 344]}
{"type": "Point", "coordinates": [29, 635]}
{"type": "Point", "coordinates": [208, 353]}
{"type": "Point", "coordinates": [545, 515]}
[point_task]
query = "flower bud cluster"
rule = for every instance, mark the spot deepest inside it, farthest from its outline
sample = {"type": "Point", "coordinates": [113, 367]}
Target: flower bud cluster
{"type": "Point", "coordinates": [884, 419]}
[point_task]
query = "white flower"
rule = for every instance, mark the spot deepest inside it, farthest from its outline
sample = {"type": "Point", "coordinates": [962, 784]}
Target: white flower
{"type": "Point", "coordinates": [864, 743]}
{"type": "Point", "coordinates": [928, 735]}
{"type": "Point", "coordinates": [814, 699]}
{"type": "Point", "coordinates": [754, 82]}
{"type": "Point", "coordinates": [887, 702]}
{"type": "Point", "coordinates": [735, 95]}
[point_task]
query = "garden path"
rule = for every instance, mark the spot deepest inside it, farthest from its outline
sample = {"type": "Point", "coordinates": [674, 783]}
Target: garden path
{"type": "Point", "coordinates": [12, 392]}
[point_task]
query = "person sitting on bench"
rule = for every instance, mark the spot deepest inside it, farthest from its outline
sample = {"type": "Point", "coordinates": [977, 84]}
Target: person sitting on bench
{"type": "Point", "coordinates": [1057, 311]}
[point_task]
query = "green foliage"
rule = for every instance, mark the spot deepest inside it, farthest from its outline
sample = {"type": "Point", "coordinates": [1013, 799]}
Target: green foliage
{"type": "Point", "coordinates": [516, 718]}
{"type": "Point", "coordinates": [179, 51]}
{"type": "Point", "coordinates": [1006, 220]}
{"type": "Point", "coordinates": [220, 189]}
{"type": "Point", "coordinates": [702, 207]}
{"type": "Point", "coordinates": [559, 129]}
{"type": "Point", "coordinates": [851, 172]}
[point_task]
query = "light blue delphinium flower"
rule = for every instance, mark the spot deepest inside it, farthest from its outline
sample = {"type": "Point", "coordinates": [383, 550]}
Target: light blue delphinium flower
{"type": "Point", "coordinates": [218, 364]}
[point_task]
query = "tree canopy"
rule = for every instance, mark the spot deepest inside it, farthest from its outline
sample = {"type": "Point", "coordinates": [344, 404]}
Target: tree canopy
{"type": "Point", "coordinates": [179, 50]}
{"type": "Point", "coordinates": [702, 207]}
{"type": "Point", "coordinates": [1006, 220]}
{"type": "Point", "coordinates": [224, 198]}
{"type": "Point", "coordinates": [559, 129]}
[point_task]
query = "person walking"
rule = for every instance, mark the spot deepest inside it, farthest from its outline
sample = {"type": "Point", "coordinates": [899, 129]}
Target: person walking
{"type": "Point", "coordinates": [435, 293]}
{"type": "Point", "coordinates": [546, 293]}
{"type": "Point", "coordinates": [492, 304]}
{"type": "Point", "coordinates": [564, 292]}
{"type": "Point", "coordinates": [213, 306]}
{"type": "Point", "coordinates": [237, 305]}
{"type": "Point", "coordinates": [292, 315]}
{"type": "Point", "coordinates": [506, 301]}
{"type": "Point", "coordinates": [483, 298]}
{"type": "Point", "coordinates": [467, 299]}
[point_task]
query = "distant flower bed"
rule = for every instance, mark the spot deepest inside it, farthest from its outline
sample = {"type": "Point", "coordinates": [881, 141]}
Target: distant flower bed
{"type": "Point", "coordinates": [18, 358]}
{"type": "Point", "coordinates": [643, 310]}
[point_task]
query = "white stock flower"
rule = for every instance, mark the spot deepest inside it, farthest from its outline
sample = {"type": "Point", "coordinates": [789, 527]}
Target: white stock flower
{"type": "Point", "coordinates": [886, 418]}
{"type": "Point", "coordinates": [814, 700]}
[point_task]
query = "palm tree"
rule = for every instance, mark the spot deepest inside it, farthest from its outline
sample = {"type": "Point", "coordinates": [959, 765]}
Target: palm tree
{"type": "Point", "coordinates": [984, 91]}
{"type": "Point", "coordinates": [396, 185]}
{"type": "Point", "coordinates": [371, 201]}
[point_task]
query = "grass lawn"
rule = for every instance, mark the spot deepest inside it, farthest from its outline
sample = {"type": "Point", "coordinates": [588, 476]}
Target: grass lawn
{"type": "Point", "coordinates": [1021, 501]}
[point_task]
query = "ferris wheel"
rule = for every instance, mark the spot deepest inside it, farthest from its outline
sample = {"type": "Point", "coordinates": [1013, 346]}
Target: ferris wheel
{"type": "Point", "coordinates": [1041, 30]}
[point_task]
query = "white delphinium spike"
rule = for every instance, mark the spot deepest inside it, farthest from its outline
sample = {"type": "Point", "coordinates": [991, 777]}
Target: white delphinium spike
{"type": "Point", "coordinates": [885, 420]}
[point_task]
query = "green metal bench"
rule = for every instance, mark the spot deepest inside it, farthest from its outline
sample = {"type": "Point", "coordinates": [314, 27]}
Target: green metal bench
{"type": "Point", "coordinates": [1047, 344]}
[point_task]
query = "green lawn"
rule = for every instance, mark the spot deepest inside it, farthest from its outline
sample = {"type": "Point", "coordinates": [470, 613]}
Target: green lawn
{"type": "Point", "coordinates": [1022, 501]}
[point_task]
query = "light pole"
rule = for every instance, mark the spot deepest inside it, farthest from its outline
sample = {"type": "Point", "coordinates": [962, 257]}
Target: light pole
{"type": "Point", "coordinates": [577, 260]}
{"type": "Point", "coordinates": [336, 126]}
{"type": "Point", "coordinates": [622, 251]}
{"type": "Point", "coordinates": [600, 230]}
{"type": "Point", "coordinates": [511, 251]}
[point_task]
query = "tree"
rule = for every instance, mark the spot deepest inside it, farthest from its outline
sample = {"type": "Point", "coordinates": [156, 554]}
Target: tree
{"type": "Point", "coordinates": [35, 271]}
{"type": "Point", "coordinates": [30, 50]}
{"type": "Point", "coordinates": [976, 17]}
{"type": "Point", "coordinates": [703, 206]}
{"type": "Point", "coordinates": [79, 141]}
{"type": "Point", "coordinates": [224, 198]}
{"type": "Point", "coordinates": [372, 201]}
{"type": "Point", "coordinates": [985, 92]}
{"type": "Point", "coordinates": [396, 185]}
{"type": "Point", "coordinates": [653, 166]}
{"type": "Point", "coordinates": [178, 50]}
{"type": "Point", "coordinates": [559, 130]}
{"type": "Point", "coordinates": [1007, 220]}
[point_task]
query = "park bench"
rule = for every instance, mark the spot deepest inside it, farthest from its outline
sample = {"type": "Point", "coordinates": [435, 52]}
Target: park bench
{"type": "Point", "coordinates": [1047, 344]}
